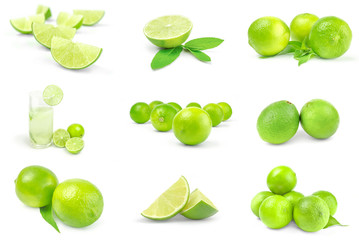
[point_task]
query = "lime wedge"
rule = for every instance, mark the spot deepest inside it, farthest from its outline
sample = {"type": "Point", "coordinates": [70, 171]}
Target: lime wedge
{"type": "Point", "coordinates": [23, 25]}
{"type": "Point", "coordinates": [91, 17]}
{"type": "Point", "coordinates": [74, 145]}
{"type": "Point", "coordinates": [198, 206]}
{"type": "Point", "coordinates": [168, 31]}
{"type": "Point", "coordinates": [68, 20]}
{"type": "Point", "coordinates": [44, 33]}
{"type": "Point", "coordinates": [170, 202]}
{"type": "Point", "coordinates": [52, 95]}
{"type": "Point", "coordinates": [41, 9]}
{"type": "Point", "coordinates": [73, 55]}
{"type": "Point", "coordinates": [60, 137]}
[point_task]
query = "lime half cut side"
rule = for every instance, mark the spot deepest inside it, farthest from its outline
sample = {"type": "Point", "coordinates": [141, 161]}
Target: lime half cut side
{"type": "Point", "coordinates": [73, 55]}
{"type": "Point", "coordinates": [168, 31]}
{"type": "Point", "coordinates": [198, 206]}
{"type": "Point", "coordinates": [171, 202]}
{"type": "Point", "coordinates": [60, 137]}
{"type": "Point", "coordinates": [91, 17]}
{"type": "Point", "coordinates": [24, 25]}
{"type": "Point", "coordinates": [68, 20]}
{"type": "Point", "coordinates": [41, 9]}
{"type": "Point", "coordinates": [74, 145]}
{"type": "Point", "coordinates": [44, 33]}
{"type": "Point", "coordinates": [52, 95]}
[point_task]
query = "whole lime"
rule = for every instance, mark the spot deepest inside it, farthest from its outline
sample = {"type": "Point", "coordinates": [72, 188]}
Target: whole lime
{"type": "Point", "coordinates": [293, 197]}
{"type": "Point", "coordinates": [76, 130]}
{"type": "Point", "coordinates": [162, 117]}
{"type": "Point", "coordinates": [257, 201]}
{"type": "Point", "coordinates": [276, 212]}
{"type": "Point", "coordinates": [329, 199]}
{"type": "Point", "coordinates": [311, 214]}
{"type": "Point", "coordinates": [77, 203]}
{"type": "Point", "coordinates": [194, 104]}
{"type": "Point", "coordinates": [227, 110]}
{"type": "Point", "coordinates": [301, 25]}
{"type": "Point", "coordinates": [176, 106]}
{"type": "Point", "coordinates": [35, 185]}
{"type": "Point", "coordinates": [281, 180]}
{"type": "Point", "coordinates": [153, 104]}
{"type": "Point", "coordinates": [268, 36]}
{"type": "Point", "coordinates": [330, 37]}
{"type": "Point", "coordinates": [192, 125]}
{"type": "Point", "coordinates": [278, 122]}
{"type": "Point", "coordinates": [319, 118]}
{"type": "Point", "coordinates": [215, 112]}
{"type": "Point", "coordinates": [140, 112]}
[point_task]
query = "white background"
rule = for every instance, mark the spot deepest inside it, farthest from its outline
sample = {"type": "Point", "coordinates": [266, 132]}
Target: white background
{"type": "Point", "coordinates": [132, 164]}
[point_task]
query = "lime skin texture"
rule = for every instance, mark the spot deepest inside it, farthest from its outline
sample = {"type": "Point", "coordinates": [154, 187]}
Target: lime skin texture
{"type": "Point", "coordinates": [281, 180]}
{"type": "Point", "coordinates": [227, 110]}
{"type": "Point", "coordinates": [215, 112]}
{"type": "Point", "coordinates": [162, 117]}
{"type": "Point", "coordinates": [76, 130]}
{"type": "Point", "coordinates": [153, 104]}
{"type": "Point", "coordinates": [293, 197]}
{"type": "Point", "coordinates": [140, 112]}
{"type": "Point", "coordinates": [276, 212]}
{"type": "Point", "coordinates": [319, 119]}
{"type": "Point", "coordinates": [257, 201]}
{"type": "Point", "coordinates": [301, 25]}
{"type": "Point", "coordinates": [176, 106]}
{"type": "Point", "coordinates": [329, 199]}
{"type": "Point", "coordinates": [194, 104]}
{"type": "Point", "coordinates": [35, 185]}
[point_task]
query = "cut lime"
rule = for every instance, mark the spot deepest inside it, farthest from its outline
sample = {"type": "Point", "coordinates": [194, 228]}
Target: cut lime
{"type": "Point", "coordinates": [41, 9]}
{"type": "Point", "coordinates": [44, 33]}
{"type": "Point", "coordinates": [91, 17]}
{"type": "Point", "coordinates": [171, 202]}
{"type": "Point", "coordinates": [73, 55]}
{"type": "Point", "coordinates": [60, 137]}
{"type": "Point", "coordinates": [23, 25]}
{"type": "Point", "coordinates": [74, 145]}
{"type": "Point", "coordinates": [68, 20]}
{"type": "Point", "coordinates": [52, 95]}
{"type": "Point", "coordinates": [168, 31]}
{"type": "Point", "coordinates": [198, 206]}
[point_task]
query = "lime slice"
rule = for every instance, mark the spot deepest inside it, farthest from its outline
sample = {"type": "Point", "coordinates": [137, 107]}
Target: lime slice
{"type": "Point", "coordinates": [44, 33]}
{"type": "Point", "coordinates": [168, 31]}
{"type": "Point", "coordinates": [41, 9]}
{"type": "Point", "coordinates": [60, 137]}
{"type": "Point", "coordinates": [23, 25]}
{"type": "Point", "coordinates": [198, 206]}
{"type": "Point", "coordinates": [91, 17]}
{"type": "Point", "coordinates": [73, 55]}
{"type": "Point", "coordinates": [52, 95]}
{"type": "Point", "coordinates": [68, 20]}
{"type": "Point", "coordinates": [170, 202]}
{"type": "Point", "coordinates": [74, 145]}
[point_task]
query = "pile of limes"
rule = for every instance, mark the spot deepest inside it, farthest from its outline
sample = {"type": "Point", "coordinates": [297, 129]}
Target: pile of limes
{"type": "Point", "coordinates": [277, 208]}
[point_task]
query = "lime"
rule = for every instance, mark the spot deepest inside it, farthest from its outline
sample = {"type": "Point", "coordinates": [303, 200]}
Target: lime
{"type": "Point", "coordinates": [74, 145]}
{"type": "Point", "coordinates": [330, 37]}
{"type": "Point", "coordinates": [140, 112]}
{"type": "Point", "coordinates": [194, 104]}
{"type": "Point", "coordinates": [227, 110]}
{"type": "Point", "coordinates": [276, 212]}
{"type": "Point", "coordinates": [311, 214]}
{"type": "Point", "coordinates": [176, 106]}
{"type": "Point", "coordinates": [60, 137]}
{"type": "Point", "coordinates": [76, 130]}
{"type": "Point", "coordinates": [278, 122]}
{"type": "Point", "coordinates": [91, 17]}
{"type": "Point", "coordinates": [171, 202]}
{"type": "Point", "coordinates": [153, 104]}
{"type": "Point", "coordinates": [198, 206]}
{"type": "Point", "coordinates": [215, 112]}
{"type": "Point", "coordinates": [257, 201]}
{"type": "Point", "coordinates": [35, 185]}
{"type": "Point", "coordinates": [41, 9]}
{"type": "Point", "coordinates": [23, 25]}
{"type": "Point", "coordinates": [329, 199]}
{"type": "Point", "coordinates": [301, 25]}
{"type": "Point", "coordinates": [168, 31]}
{"type": "Point", "coordinates": [192, 125]}
{"type": "Point", "coordinates": [281, 180]}
{"type": "Point", "coordinates": [68, 20]}
{"type": "Point", "coordinates": [44, 33]}
{"type": "Point", "coordinates": [268, 36]}
{"type": "Point", "coordinates": [293, 197]}
{"type": "Point", "coordinates": [73, 55]}
{"type": "Point", "coordinates": [77, 203]}
{"type": "Point", "coordinates": [52, 95]}
{"type": "Point", "coordinates": [162, 117]}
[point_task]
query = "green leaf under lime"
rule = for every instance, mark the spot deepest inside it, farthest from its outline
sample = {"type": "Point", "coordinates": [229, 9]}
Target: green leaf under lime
{"type": "Point", "coordinates": [198, 206]}
{"type": "Point", "coordinates": [44, 33]}
{"type": "Point", "coordinates": [48, 216]}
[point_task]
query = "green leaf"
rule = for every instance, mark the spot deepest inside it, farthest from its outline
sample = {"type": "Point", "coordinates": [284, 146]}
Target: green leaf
{"type": "Point", "coordinates": [203, 43]}
{"type": "Point", "coordinates": [199, 55]}
{"type": "Point", "coordinates": [332, 222]}
{"type": "Point", "coordinates": [46, 213]}
{"type": "Point", "coordinates": [165, 57]}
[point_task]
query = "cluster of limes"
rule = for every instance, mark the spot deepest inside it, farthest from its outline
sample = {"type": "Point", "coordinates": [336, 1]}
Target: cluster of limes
{"type": "Point", "coordinates": [277, 208]}
{"type": "Point", "coordinates": [191, 125]}
{"type": "Point", "coordinates": [279, 121]}
{"type": "Point", "coordinates": [76, 202]}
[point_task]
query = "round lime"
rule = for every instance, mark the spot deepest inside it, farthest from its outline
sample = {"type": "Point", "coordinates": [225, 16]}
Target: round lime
{"type": "Point", "coordinates": [257, 201]}
{"type": "Point", "coordinates": [215, 112]}
{"type": "Point", "coordinates": [329, 199]}
{"type": "Point", "coordinates": [162, 117]}
{"type": "Point", "coordinates": [52, 95]}
{"type": "Point", "coordinates": [60, 137]}
{"type": "Point", "coordinates": [176, 106]}
{"type": "Point", "coordinates": [140, 112]}
{"type": "Point", "coordinates": [301, 25]}
{"type": "Point", "coordinates": [293, 197]}
{"type": "Point", "coordinates": [153, 104]}
{"type": "Point", "coordinates": [74, 145]}
{"type": "Point", "coordinates": [194, 104]}
{"type": "Point", "coordinates": [76, 130]}
{"type": "Point", "coordinates": [227, 110]}
{"type": "Point", "coordinates": [281, 180]}
{"type": "Point", "coordinates": [276, 212]}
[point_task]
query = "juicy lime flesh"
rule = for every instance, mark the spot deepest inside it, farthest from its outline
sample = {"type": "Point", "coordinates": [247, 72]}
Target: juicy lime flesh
{"type": "Point", "coordinates": [176, 106]}
{"type": "Point", "coordinates": [24, 25]}
{"type": "Point", "coordinates": [74, 145]}
{"type": "Point", "coordinates": [293, 197]}
{"type": "Point", "coordinates": [281, 180]}
{"type": "Point", "coordinates": [276, 212]}
{"type": "Point", "coordinates": [329, 199]}
{"type": "Point", "coordinates": [52, 95]}
{"type": "Point", "coordinates": [68, 20]}
{"type": "Point", "coordinates": [140, 112]}
{"type": "Point", "coordinates": [215, 112]}
{"type": "Point", "coordinates": [169, 203]}
{"type": "Point", "coordinates": [44, 33]}
{"type": "Point", "coordinates": [257, 201]}
{"type": "Point", "coordinates": [60, 137]}
{"type": "Point", "coordinates": [41, 9]}
{"type": "Point", "coordinates": [198, 206]}
{"type": "Point", "coordinates": [227, 110]}
{"type": "Point", "coordinates": [162, 117]}
{"type": "Point", "coordinates": [154, 103]}
{"type": "Point", "coordinates": [301, 25]}
{"type": "Point", "coordinates": [194, 104]}
{"type": "Point", "coordinates": [76, 130]}
{"type": "Point", "coordinates": [91, 17]}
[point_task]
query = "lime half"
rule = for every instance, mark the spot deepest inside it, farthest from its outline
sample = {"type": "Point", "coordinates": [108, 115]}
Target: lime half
{"type": "Point", "coordinates": [198, 206]}
{"type": "Point", "coordinates": [171, 202]}
{"type": "Point", "coordinates": [60, 137]}
{"type": "Point", "coordinates": [68, 20]}
{"type": "Point", "coordinates": [168, 31]}
{"type": "Point", "coordinates": [52, 95]}
{"type": "Point", "coordinates": [24, 25]}
{"type": "Point", "coordinates": [74, 145]}
{"type": "Point", "coordinates": [91, 17]}
{"type": "Point", "coordinates": [44, 33]}
{"type": "Point", "coordinates": [41, 9]}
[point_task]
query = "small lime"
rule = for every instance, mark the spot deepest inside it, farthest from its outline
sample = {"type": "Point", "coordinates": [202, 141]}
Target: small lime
{"type": "Point", "coordinates": [257, 201]}
{"type": "Point", "coordinates": [301, 25]}
{"type": "Point", "coordinates": [140, 112]}
{"type": "Point", "coordinates": [52, 95]}
{"type": "Point", "coordinates": [194, 104]}
{"type": "Point", "coordinates": [76, 130]}
{"type": "Point", "coordinates": [329, 199]}
{"type": "Point", "coordinates": [60, 137]}
{"type": "Point", "coordinates": [176, 106]}
{"type": "Point", "coordinates": [293, 197]}
{"type": "Point", "coordinates": [153, 104]}
{"type": "Point", "coordinates": [215, 112]}
{"type": "Point", "coordinates": [162, 117]}
{"type": "Point", "coordinates": [281, 180]}
{"type": "Point", "coordinates": [276, 212]}
{"type": "Point", "coordinates": [227, 110]}
{"type": "Point", "coordinates": [74, 145]}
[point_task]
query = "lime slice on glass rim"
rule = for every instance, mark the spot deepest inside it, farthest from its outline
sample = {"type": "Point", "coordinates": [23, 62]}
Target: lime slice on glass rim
{"type": "Point", "coordinates": [44, 33]}
{"type": "Point", "coordinates": [171, 202]}
{"type": "Point", "coordinates": [24, 25]}
{"type": "Point", "coordinates": [91, 17]}
{"type": "Point", "coordinates": [52, 95]}
{"type": "Point", "coordinates": [41, 9]}
{"type": "Point", "coordinates": [60, 137]}
{"type": "Point", "coordinates": [74, 145]}
{"type": "Point", "coordinates": [198, 206]}
{"type": "Point", "coordinates": [68, 20]}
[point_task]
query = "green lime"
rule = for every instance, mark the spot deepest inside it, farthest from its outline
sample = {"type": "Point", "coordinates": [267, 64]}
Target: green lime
{"type": "Point", "coordinates": [153, 104]}
{"type": "Point", "coordinates": [77, 203]}
{"type": "Point", "coordinates": [281, 180]}
{"type": "Point", "coordinates": [330, 37]}
{"type": "Point", "coordinates": [24, 25]}
{"type": "Point", "coordinates": [60, 137]}
{"type": "Point", "coordinates": [171, 202]}
{"type": "Point", "coordinates": [276, 212]}
{"type": "Point", "coordinates": [73, 55]}
{"type": "Point", "coordinates": [257, 201]}
{"type": "Point", "coordinates": [194, 104]}
{"type": "Point", "coordinates": [192, 125]}
{"type": "Point", "coordinates": [91, 17]}
{"type": "Point", "coordinates": [162, 117]}
{"type": "Point", "coordinates": [227, 110]}
{"type": "Point", "coordinates": [301, 25]}
{"type": "Point", "coordinates": [268, 36]}
{"type": "Point", "coordinates": [329, 199]}
{"type": "Point", "coordinates": [215, 112]}
{"type": "Point", "coordinates": [52, 95]}
{"type": "Point", "coordinates": [41, 9]}
{"type": "Point", "coordinates": [311, 214]}
{"type": "Point", "coordinates": [44, 33]}
{"type": "Point", "coordinates": [68, 20]}
{"type": "Point", "coordinates": [198, 206]}
{"type": "Point", "coordinates": [35, 185]}
{"type": "Point", "coordinates": [74, 145]}
{"type": "Point", "coordinates": [176, 106]}
{"type": "Point", "coordinates": [168, 31]}
{"type": "Point", "coordinates": [278, 122]}
{"type": "Point", "coordinates": [76, 130]}
{"type": "Point", "coordinates": [293, 197]}
{"type": "Point", "coordinates": [140, 112]}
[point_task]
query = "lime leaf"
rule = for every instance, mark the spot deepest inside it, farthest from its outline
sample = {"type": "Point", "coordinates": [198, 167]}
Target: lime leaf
{"type": "Point", "coordinates": [165, 57]}
{"type": "Point", "coordinates": [203, 43]}
{"type": "Point", "coordinates": [333, 222]}
{"type": "Point", "coordinates": [47, 215]}
{"type": "Point", "coordinates": [199, 55]}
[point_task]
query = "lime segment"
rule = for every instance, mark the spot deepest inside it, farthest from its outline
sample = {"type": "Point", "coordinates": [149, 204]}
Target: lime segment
{"type": "Point", "coordinates": [199, 206]}
{"type": "Point", "coordinates": [68, 20]}
{"type": "Point", "coordinates": [23, 25]}
{"type": "Point", "coordinates": [60, 137]}
{"type": "Point", "coordinates": [44, 33]}
{"type": "Point", "coordinates": [74, 145]}
{"type": "Point", "coordinates": [41, 9]}
{"type": "Point", "coordinates": [91, 17]}
{"type": "Point", "coordinates": [52, 95]}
